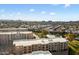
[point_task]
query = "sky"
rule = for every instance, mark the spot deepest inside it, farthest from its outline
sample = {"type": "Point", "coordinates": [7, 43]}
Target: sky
{"type": "Point", "coordinates": [40, 12]}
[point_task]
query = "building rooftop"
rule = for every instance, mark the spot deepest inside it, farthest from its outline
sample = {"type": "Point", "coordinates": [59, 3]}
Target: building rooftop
{"type": "Point", "coordinates": [39, 53]}
{"type": "Point", "coordinates": [14, 32]}
{"type": "Point", "coordinates": [13, 29]}
{"type": "Point", "coordinates": [26, 42]}
{"type": "Point", "coordinates": [51, 36]}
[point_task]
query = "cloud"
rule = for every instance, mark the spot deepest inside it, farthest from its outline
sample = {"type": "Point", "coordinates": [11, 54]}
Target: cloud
{"type": "Point", "coordinates": [67, 5]}
{"type": "Point", "coordinates": [52, 13]}
{"type": "Point", "coordinates": [2, 10]}
{"type": "Point", "coordinates": [54, 4]}
{"type": "Point", "coordinates": [2, 15]}
{"type": "Point", "coordinates": [18, 13]}
{"type": "Point", "coordinates": [43, 12]}
{"type": "Point", "coordinates": [10, 15]}
{"type": "Point", "coordinates": [32, 10]}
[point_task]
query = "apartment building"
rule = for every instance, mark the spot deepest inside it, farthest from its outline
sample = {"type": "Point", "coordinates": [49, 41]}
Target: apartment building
{"type": "Point", "coordinates": [55, 46]}
{"type": "Point", "coordinates": [12, 29]}
{"type": "Point", "coordinates": [6, 38]}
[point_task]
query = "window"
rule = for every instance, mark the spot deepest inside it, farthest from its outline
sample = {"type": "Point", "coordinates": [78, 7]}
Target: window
{"type": "Point", "coordinates": [54, 51]}
{"type": "Point", "coordinates": [25, 51]}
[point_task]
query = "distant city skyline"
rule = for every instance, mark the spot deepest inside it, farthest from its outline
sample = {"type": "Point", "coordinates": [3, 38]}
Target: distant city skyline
{"type": "Point", "coordinates": [40, 12]}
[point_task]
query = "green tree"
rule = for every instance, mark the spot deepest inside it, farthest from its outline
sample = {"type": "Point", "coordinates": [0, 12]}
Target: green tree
{"type": "Point", "coordinates": [70, 37]}
{"type": "Point", "coordinates": [44, 32]}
